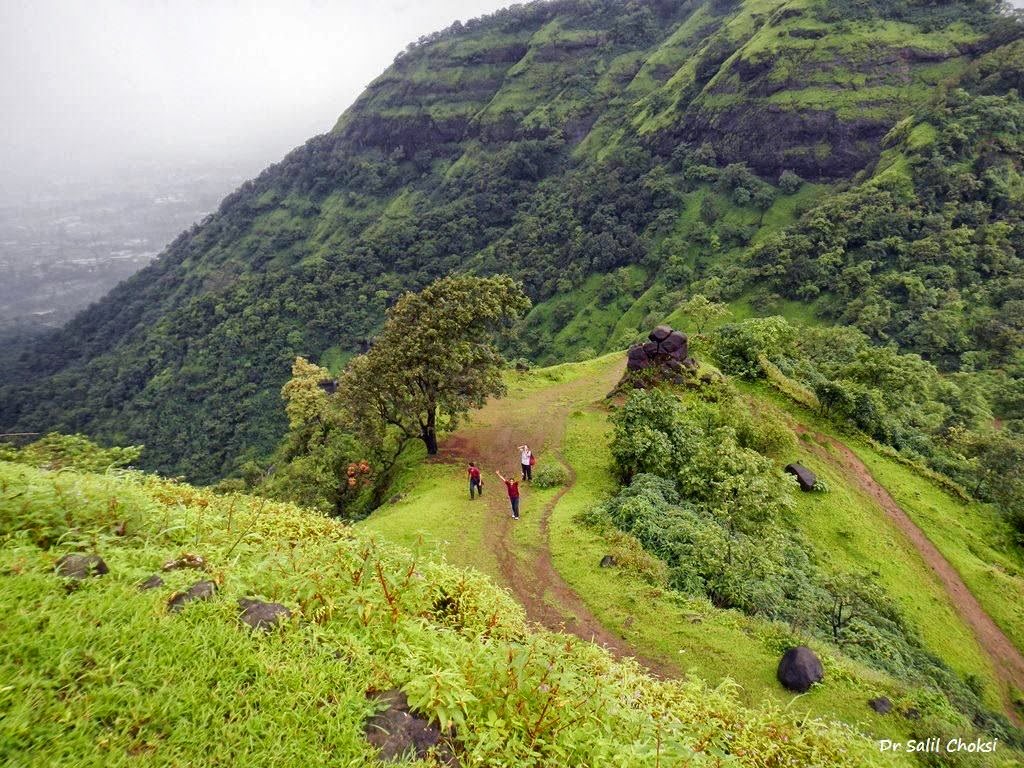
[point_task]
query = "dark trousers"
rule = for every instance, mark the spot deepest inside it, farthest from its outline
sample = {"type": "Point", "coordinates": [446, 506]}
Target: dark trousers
{"type": "Point", "coordinates": [527, 472]}
{"type": "Point", "coordinates": [475, 485]}
{"type": "Point", "coordinates": [515, 507]}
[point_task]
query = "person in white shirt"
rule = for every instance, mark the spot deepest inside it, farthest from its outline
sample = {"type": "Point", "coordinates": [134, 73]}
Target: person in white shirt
{"type": "Point", "coordinates": [526, 459]}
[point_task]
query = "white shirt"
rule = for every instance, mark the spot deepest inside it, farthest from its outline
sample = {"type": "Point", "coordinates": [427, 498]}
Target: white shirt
{"type": "Point", "coordinates": [525, 455]}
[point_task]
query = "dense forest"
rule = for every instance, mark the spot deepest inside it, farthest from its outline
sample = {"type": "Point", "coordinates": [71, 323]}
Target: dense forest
{"type": "Point", "coordinates": [860, 159]}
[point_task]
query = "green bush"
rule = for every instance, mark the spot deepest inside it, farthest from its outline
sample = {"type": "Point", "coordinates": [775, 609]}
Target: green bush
{"type": "Point", "coordinates": [57, 451]}
{"type": "Point", "coordinates": [550, 476]}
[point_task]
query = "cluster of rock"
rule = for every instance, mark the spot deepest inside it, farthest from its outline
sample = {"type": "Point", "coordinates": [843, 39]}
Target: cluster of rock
{"type": "Point", "coordinates": [255, 613]}
{"type": "Point", "coordinates": [396, 730]}
{"type": "Point", "coordinates": [665, 356]}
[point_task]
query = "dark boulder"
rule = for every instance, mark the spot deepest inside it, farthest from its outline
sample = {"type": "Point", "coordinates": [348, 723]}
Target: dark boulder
{"type": "Point", "coordinates": [397, 732]}
{"type": "Point", "coordinates": [202, 590]}
{"type": "Point", "coordinates": [260, 615]}
{"type": "Point", "coordinates": [608, 561]}
{"type": "Point", "coordinates": [636, 358]}
{"type": "Point", "coordinates": [651, 348]}
{"type": "Point", "coordinates": [804, 476]}
{"type": "Point", "coordinates": [151, 583]}
{"type": "Point", "coordinates": [881, 705]}
{"type": "Point", "coordinates": [81, 566]}
{"type": "Point", "coordinates": [660, 333]}
{"type": "Point", "coordinates": [675, 344]}
{"type": "Point", "coordinates": [913, 713]}
{"type": "Point", "coordinates": [799, 669]}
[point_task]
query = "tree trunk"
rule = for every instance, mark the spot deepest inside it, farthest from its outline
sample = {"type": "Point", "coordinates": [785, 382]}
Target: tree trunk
{"type": "Point", "coordinates": [430, 432]}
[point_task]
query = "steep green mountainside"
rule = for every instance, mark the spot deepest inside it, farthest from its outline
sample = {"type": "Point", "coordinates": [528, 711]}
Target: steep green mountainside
{"type": "Point", "coordinates": [558, 142]}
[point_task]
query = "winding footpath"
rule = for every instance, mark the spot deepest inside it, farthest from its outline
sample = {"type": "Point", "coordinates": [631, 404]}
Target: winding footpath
{"type": "Point", "coordinates": [528, 571]}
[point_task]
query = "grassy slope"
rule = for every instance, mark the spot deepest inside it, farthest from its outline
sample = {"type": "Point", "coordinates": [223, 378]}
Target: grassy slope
{"type": "Point", "coordinates": [104, 675]}
{"type": "Point", "coordinates": [970, 535]}
{"type": "Point", "coordinates": [690, 634]}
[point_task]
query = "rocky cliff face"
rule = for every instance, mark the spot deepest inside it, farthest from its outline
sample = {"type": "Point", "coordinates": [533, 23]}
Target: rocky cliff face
{"type": "Point", "coordinates": [549, 141]}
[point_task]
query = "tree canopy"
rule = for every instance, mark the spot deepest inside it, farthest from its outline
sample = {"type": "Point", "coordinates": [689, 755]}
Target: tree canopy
{"type": "Point", "coordinates": [435, 359]}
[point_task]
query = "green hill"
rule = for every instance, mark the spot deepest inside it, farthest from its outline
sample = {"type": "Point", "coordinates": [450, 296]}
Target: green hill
{"type": "Point", "coordinates": [562, 142]}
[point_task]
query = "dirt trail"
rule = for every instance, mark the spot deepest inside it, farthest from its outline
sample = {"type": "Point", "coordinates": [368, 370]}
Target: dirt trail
{"type": "Point", "coordinates": [539, 421]}
{"type": "Point", "coordinates": [1007, 660]}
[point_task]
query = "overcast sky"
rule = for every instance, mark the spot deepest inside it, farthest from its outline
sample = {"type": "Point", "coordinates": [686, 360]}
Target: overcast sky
{"type": "Point", "coordinates": [96, 86]}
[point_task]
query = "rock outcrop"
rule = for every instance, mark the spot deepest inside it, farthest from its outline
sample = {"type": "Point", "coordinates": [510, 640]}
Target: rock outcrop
{"type": "Point", "coordinates": [665, 356]}
{"type": "Point", "coordinates": [202, 590]}
{"type": "Point", "coordinates": [397, 732]}
{"type": "Point", "coordinates": [153, 582]}
{"type": "Point", "coordinates": [881, 705]}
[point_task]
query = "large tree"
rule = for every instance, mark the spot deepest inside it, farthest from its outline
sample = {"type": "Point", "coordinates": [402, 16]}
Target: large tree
{"type": "Point", "coordinates": [320, 464]}
{"type": "Point", "coordinates": [434, 360]}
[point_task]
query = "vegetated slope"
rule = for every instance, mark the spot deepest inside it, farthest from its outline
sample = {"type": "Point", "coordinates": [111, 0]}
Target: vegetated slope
{"type": "Point", "coordinates": [559, 412]}
{"type": "Point", "coordinates": [97, 670]}
{"type": "Point", "coordinates": [554, 141]}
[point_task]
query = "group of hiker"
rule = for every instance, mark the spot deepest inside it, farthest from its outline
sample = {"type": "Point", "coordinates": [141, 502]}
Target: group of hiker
{"type": "Point", "coordinates": [476, 483]}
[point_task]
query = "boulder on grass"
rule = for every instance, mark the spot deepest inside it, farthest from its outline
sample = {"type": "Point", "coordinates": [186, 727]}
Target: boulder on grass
{"type": "Point", "coordinates": [608, 561]}
{"type": "Point", "coordinates": [397, 732]}
{"type": "Point", "coordinates": [804, 476]}
{"type": "Point", "coordinates": [799, 669]}
{"type": "Point", "coordinates": [187, 560]}
{"type": "Point", "coordinates": [81, 566]}
{"type": "Point", "coordinates": [152, 582]}
{"type": "Point", "coordinates": [260, 615]}
{"type": "Point", "coordinates": [202, 590]}
{"type": "Point", "coordinates": [881, 705]}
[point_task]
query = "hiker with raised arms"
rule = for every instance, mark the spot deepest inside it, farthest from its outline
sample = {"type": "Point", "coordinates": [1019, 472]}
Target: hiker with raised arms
{"type": "Point", "coordinates": [527, 460]}
{"type": "Point", "coordinates": [513, 493]}
{"type": "Point", "coordinates": [476, 484]}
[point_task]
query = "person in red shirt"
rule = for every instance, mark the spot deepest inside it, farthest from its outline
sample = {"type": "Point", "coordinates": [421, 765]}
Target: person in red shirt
{"type": "Point", "coordinates": [513, 493]}
{"type": "Point", "coordinates": [476, 485]}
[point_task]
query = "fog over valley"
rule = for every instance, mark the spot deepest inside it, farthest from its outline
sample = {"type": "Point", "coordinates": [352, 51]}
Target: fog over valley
{"type": "Point", "coordinates": [124, 123]}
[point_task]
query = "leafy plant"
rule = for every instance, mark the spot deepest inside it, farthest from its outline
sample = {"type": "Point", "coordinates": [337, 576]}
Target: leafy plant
{"type": "Point", "coordinates": [550, 475]}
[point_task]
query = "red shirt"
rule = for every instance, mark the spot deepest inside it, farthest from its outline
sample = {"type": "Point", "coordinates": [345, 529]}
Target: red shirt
{"type": "Point", "coordinates": [513, 488]}
{"type": "Point", "coordinates": [474, 472]}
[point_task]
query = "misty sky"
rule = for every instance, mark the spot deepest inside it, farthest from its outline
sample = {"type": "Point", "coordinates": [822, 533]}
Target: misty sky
{"type": "Point", "coordinates": [100, 86]}
{"type": "Point", "coordinates": [97, 86]}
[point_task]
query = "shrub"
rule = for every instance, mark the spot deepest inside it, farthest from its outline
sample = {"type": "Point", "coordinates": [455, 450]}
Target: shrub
{"type": "Point", "coordinates": [550, 476]}
{"type": "Point", "coordinates": [789, 182]}
{"type": "Point", "coordinates": [57, 451]}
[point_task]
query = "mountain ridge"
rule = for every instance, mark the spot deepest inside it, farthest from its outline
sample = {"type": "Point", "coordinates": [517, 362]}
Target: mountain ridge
{"type": "Point", "coordinates": [555, 141]}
